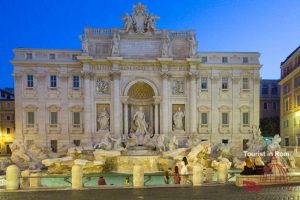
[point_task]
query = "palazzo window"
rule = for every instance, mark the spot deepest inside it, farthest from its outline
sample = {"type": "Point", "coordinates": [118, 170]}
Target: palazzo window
{"type": "Point", "coordinates": [203, 83]}
{"type": "Point", "coordinates": [245, 60]}
{"type": "Point", "coordinates": [8, 131]}
{"type": "Point", "coordinates": [245, 83]}
{"type": "Point", "coordinates": [297, 82]}
{"type": "Point", "coordinates": [53, 119]}
{"type": "Point", "coordinates": [30, 119]}
{"type": "Point", "coordinates": [29, 56]}
{"type": "Point", "coordinates": [225, 83]}
{"type": "Point", "coordinates": [76, 119]}
{"type": "Point", "coordinates": [30, 81]}
{"type": "Point", "coordinates": [298, 100]}
{"type": "Point", "coordinates": [53, 144]}
{"type": "Point", "coordinates": [225, 119]}
{"type": "Point", "coordinates": [265, 89]}
{"type": "Point", "coordinates": [224, 60]}
{"type": "Point", "coordinates": [76, 82]}
{"type": "Point", "coordinates": [204, 59]}
{"type": "Point", "coordinates": [274, 90]}
{"type": "Point", "coordinates": [76, 142]}
{"type": "Point", "coordinates": [246, 119]}
{"type": "Point", "coordinates": [53, 81]}
{"type": "Point", "coordinates": [204, 119]}
{"type": "Point", "coordinates": [286, 105]}
{"type": "Point", "coordinates": [51, 56]}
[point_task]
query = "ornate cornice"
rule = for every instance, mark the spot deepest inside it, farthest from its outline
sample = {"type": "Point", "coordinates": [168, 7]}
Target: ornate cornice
{"type": "Point", "coordinates": [165, 75]}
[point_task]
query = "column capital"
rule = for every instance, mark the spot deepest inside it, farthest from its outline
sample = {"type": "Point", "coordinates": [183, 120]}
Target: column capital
{"type": "Point", "coordinates": [157, 99]}
{"type": "Point", "coordinates": [115, 74]}
{"type": "Point", "coordinates": [87, 74]}
{"type": "Point", "coordinates": [124, 99]}
{"type": "Point", "coordinates": [193, 75]}
{"type": "Point", "coordinates": [165, 75]}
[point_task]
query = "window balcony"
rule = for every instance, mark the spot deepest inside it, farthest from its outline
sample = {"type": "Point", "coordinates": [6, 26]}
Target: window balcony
{"type": "Point", "coordinates": [53, 128]}
{"type": "Point", "coordinates": [31, 128]}
{"type": "Point", "coordinates": [76, 128]}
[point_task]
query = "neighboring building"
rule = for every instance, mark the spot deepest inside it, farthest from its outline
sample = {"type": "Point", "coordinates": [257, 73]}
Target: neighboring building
{"type": "Point", "coordinates": [269, 107]}
{"type": "Point", "coordinates": [290, 99]}
{"type": "Point", "coordinates": [7, 119]}
{"type": "Point", "coordinates": [74, 97]}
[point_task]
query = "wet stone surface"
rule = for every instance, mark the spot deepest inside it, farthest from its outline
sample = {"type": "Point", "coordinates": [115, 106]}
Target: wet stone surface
{"type": "Point", "coordinates": [205, 192]}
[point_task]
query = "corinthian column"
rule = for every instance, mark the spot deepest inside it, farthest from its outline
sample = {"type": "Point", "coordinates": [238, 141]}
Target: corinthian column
{"type": "Point", "coordinates": [157, 100]}
{"type": "Point", "coordinates": [193, 102]}
{"type": "Point", "coordinates": [116, 103]}
{"type": "Point", "coordinates": [87, 104]}
{"type": "Point", "coordinates": [165, 103]}
{"type": "Point", "coordinates": [125, 103]}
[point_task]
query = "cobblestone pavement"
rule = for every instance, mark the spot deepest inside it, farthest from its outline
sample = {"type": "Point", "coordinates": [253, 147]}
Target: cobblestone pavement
{"type": "Point", "coordinates": [219, 192]}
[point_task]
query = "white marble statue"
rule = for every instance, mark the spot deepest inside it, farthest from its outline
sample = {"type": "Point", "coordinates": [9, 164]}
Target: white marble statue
{"type": "Point", "coordinates": [274, 145]}
{"type": "Point", "coordinates": [162, 142]}
{"type": "Point", "coordinates": [199, 151]}
{"type": "Point", "coordinates": [292, 162]}
{"type": "Point", "coordinates": [115, 44]}
{"type": "Point", "coordinates": [103, 120]}
{"type": "Point", "coordinates": [37, 153]}
{"type": "Point", "coordinates": [85, 43]}
{"type": "Point", "coordinates": [18, 156]}
{"type": "Point", "coordinates": [165, 47]}
{"type": "Point", "coordinates": [173, 143]}
{"type": "Point", "coordinates": [178, 119]}
{"type": "Point", "coordinates": [216, 163]}
{"type": "Point", "coordinates": [151, 22]}
{"type": "Point", "coordinates": [106, 142]}
{"type": "Point", "coordinates": [256, 143]}
{"type": "Point", "coordinates": [193, 44]}
{"type": "Point", "coordinates": [128, 22]}
{"type": "Point", "coordinates": [193, 140]}
{"type": "Point", "coordinates": [141, 125]}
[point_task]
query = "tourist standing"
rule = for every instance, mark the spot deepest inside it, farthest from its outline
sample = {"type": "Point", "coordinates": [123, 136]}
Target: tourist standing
{"type": "Point", "coordinates": [101, 181]}
{"type": "Point", "coordinates": [184, 171]}
{"type": "Point", "coordinates": [176, 176]}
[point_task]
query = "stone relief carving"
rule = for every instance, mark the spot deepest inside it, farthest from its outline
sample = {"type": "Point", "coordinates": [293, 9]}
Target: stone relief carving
{"type": "Point", "coordinates": [103, 120]}
{"type": "Point", "coordinates": [115, 44]}
{"type": "Point", "coordinates": [178, 117]}
{"type": "Point", "coordinates": [139, 21]}
{"type": "Point", "coordinates": [178, 87]}
{"type": "Point", "coordinates": [102, 86]}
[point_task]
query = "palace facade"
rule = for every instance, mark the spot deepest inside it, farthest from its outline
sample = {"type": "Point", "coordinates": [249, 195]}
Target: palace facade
{"type": "Point", "coordinates": [74, 97]}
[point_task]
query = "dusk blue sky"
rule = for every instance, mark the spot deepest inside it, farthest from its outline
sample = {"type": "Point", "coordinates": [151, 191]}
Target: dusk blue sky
{"type": "Point", "coordinates": [271, 27]}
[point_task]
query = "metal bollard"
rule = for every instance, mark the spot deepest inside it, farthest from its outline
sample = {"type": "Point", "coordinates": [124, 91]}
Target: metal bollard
{"type": "Point", "coordinates": [222, 173]}
{"type": "Point", "coordinates": [77, 177]}
{"type": "Point", "coordinates": [197, 175]}
{"type": "Point", "coordinates": [138, 176]}
{"type": "Point", "coordinates": [12, 177]}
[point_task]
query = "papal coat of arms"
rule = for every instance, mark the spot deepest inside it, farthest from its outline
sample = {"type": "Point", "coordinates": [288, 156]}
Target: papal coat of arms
{"type": "Point", "coordinates": [140, 21]}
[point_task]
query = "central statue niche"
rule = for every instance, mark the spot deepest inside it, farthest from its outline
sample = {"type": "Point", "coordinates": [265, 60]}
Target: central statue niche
{"type": "Point", "coordinates": [140, 113]}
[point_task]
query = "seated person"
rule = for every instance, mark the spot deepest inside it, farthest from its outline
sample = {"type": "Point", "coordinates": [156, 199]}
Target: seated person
{"type": "Point", "coordinates": [249, 167]}
{"type": "Point", "coordinates": [101, 181]}
{"type": "Point", "coordinates": [259, 166]}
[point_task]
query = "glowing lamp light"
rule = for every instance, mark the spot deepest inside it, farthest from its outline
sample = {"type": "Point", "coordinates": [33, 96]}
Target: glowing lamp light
{"type": "Point", "coordinates": [297, 114]}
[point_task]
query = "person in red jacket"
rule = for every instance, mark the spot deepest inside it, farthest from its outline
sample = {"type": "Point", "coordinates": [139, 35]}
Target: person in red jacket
{"type": "Point", "coordinates": [101, 181]}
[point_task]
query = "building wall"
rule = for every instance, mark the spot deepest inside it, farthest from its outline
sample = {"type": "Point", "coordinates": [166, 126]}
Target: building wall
{"type": "Point", "coordinates": [7, 124]}
{"type": "Point", "coordinates": [289, 109]}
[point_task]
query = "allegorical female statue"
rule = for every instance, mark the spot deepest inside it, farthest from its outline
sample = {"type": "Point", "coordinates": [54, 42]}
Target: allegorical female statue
{"type": "Point", "coordinates": [141, 125]}
{"type": "Point", "coordinates": [178, 120]}
{"type": "Point", "coordinates": [103, 120]}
